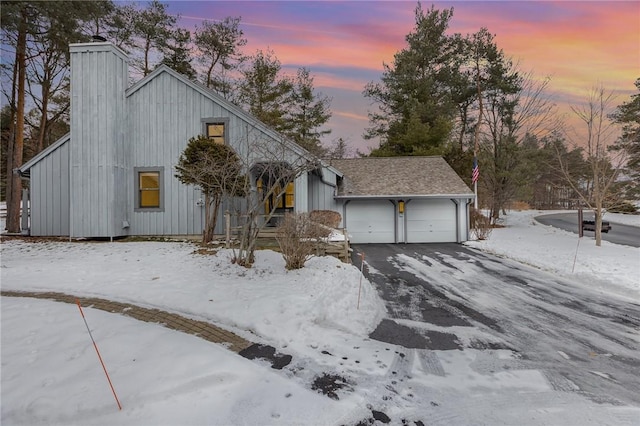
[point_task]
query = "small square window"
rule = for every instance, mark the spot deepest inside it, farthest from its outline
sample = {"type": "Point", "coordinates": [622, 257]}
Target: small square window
{"type": "Point", "coordinates": [148, 188]}
{"type": "Point", "coordinates": [215, 131]}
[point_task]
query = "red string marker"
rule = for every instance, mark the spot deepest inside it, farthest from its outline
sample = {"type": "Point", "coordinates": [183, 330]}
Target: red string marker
{"type": "Point", "coordinates": [99, 357]}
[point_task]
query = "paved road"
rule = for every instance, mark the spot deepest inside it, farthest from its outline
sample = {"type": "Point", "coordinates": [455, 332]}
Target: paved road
{"type": "Point", "coordinates": [619, 234]}
{"type": "Point", "coordinates": [447, 296]}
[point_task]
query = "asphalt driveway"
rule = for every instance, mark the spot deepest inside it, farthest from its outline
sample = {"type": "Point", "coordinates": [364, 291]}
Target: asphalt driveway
{"type": "Point", "coordinates": [448, 297]}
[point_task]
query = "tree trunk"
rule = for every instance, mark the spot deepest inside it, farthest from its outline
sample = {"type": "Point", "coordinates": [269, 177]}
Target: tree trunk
{"type": "Point", "coordinates": [43, 119]}
{"type": "Point", "coordinates": [211, 217]}
{"type": "Point", "coordinates": [13, 202]}
{"type": "Point", "coordinates": [598, 222]}
{"type": "Point", "coordinates": [10, 141]}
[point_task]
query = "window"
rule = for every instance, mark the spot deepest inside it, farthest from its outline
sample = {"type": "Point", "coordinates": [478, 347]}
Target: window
{"type": "Point", "coordinates": [216, 128]}
{"type": "Point", "coordinates": [286, 200]}
{"type": "Point", "coordinates": [215, 131]}
{"type": "Point", "coordinates": [149, 188]}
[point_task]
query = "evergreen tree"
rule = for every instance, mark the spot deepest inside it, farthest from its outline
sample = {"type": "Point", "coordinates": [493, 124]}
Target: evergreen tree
{"type": "Point", "coordinates": [152, 28]}
{"type": "Point", "coordinates": [177, 53]}
{"type": "Point", "coordinates": [217, 170]}
{"type": "Point", "coordinates": [265, 92]}
{"type": "Point", "coordinates": [339, 150]}
{"type": "Point", "coordinates": [416, 108]}
{"type": "Point", "coordinates": [218, 45]}
{"type": "Point", "coordinates": [307, 113]}
{"type": "Point", "coordinates": [117, 26]}
{"type": "Point", "coordinates": [628, 116]}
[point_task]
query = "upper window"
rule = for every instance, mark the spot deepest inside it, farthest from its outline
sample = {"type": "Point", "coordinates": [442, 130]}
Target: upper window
{"type": "Point", "coordinates": [215, 131]}
{"type": "Point", "coordinates": [149, 188]}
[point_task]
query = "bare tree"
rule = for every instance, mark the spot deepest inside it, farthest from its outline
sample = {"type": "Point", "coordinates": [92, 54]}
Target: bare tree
{"type": "Point", "coordinates": [600, 134]}
{"type": "Point", "coordinates": [510, 118]}
{"type": "Point", "coordinates": [272, 165]}
{"type": "Point", "coordinates": [20, 17]}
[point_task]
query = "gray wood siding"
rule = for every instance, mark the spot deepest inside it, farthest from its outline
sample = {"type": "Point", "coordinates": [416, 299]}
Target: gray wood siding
{"type": "Point", "coordinates": [86, 187]}
{"type": "Point", "coordinates": [321, 194]}
{"type": "Point", "coordinates": [301, 193]}
{"type": "Point", "coordinates": [99, 78]}
{"type": "Point", "coordinates": [162, 116]}
{"type": "Point", "coordinates": [49, 194]}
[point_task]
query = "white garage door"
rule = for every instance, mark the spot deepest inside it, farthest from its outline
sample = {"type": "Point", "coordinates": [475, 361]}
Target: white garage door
{"type": "Point", "coordinates": [371, 221]}
{"type": "Point", "coordinates": [431, 221]}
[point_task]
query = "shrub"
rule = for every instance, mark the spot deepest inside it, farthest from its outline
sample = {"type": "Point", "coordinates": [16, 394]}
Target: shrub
{"type": "Point", "coordinates": [519, 205]}
{"type": "Point", "coordinates": [326, 217]}
{"type": "Point", "coordinates": [298, 238]}
{"type": "Point", "coordinates": [480, 224]}
{"type": "Point", "coordinates": [624, 207]}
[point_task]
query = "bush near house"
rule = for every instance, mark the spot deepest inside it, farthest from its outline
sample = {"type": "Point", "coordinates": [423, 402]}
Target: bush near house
{"type": "Point", "coordinates": [298, 237]}
{"type": "Point", "coordinates": [326, 217]}
{"type": "Point", "coordinates": [480, 224]}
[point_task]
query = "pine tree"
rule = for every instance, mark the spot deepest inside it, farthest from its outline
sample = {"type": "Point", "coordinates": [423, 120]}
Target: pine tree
{"type": "Point", "coordinates": [307, 113]}
{"type": "Point", "coordinates": [265, 92]}
{"type": "Point", "coordinates": [218, 45]}
{"type": "Point", "coordinates": [628, 116]}
{"type": "Point", "coordinates": [152, 28]}
{"type": "Point", "coordinates": [416, 109]}
{"type": "Point", "coordinates": [177, 53]}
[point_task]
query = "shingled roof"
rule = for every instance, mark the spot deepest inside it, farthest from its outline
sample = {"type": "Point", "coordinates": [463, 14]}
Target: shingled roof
{"type": "Point", "coordinates": [399, 177]}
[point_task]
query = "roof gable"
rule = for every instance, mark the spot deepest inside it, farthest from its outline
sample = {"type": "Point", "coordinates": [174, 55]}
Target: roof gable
{"type": "Point", "coordinates": [24, 169]}
{"type": "Point", "coordinates": [399, 176]}
{"type": "Point", "coordinates": [231, 107]}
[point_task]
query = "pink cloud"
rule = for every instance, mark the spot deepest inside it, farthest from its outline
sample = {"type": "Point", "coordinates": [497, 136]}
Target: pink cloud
{"type": "Point", "coordinates": [578, 44]}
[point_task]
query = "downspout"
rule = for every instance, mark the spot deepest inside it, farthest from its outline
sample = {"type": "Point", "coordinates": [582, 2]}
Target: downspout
{"type": "Point", "coordinates": [457, 203]}
{"type": "Point", "coordinates": [395, 221]}
{"type": "Point", "coordinates": [406, 233]}
{"type": "Point", "coordinates": [333, 185]}
{"type": "Point", "coordinates": [26, 212]}
{"type": "Point", "coordinates": [25, 228]}
{"type": "Point", "coordinates": [344, 214]}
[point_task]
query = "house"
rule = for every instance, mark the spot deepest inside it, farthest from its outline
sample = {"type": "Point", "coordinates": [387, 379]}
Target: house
{"type": "Point", "coordinates": [113, 174]}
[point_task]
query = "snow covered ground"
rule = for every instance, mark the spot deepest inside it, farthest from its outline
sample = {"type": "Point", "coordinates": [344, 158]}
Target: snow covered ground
{"type": "Point", "coordinates": [616, 267]}
{"type": "Point", "coordinates": [51, 374]}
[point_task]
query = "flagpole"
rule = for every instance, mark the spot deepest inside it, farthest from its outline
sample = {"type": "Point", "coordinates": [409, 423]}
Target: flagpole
{"type": "Point", "coordinates": [476, 136]}
{"type": "Point", "coordinates": [475, 191]}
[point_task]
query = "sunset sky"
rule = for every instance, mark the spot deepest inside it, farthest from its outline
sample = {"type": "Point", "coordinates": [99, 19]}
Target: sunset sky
{"type": "Point", "coordinates": [578, 44]}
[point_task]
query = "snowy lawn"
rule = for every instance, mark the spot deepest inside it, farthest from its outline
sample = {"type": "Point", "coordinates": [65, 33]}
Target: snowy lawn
{"type": "Point", "coordinates": [616, 267]}
{"type": "Point", "coordinates": [51, 374]}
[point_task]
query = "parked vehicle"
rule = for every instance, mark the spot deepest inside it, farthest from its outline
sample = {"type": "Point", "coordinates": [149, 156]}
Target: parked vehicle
{"type": "Point", "coordinates": [590, 225]}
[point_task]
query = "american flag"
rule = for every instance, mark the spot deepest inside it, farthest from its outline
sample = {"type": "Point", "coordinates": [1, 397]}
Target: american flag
{"type": "Point", "coordinates": [476, 171]}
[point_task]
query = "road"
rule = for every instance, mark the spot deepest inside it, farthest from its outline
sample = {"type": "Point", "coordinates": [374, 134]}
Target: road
{"type": "Point", "coordinates": [448, 297]}
{"type": "Point", "coordinates": [619, 234]}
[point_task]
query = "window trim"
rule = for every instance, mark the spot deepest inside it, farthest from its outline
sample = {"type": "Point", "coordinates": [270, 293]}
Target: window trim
{"type": "Point", "coordinates": [216, 120]}
{"type": "Point", "coordinates": [136, 186]}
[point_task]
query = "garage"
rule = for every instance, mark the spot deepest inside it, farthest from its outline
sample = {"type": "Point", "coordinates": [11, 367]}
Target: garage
{"type": "Point", "coordinates": [402, 200]}
{"type": "Point", "coordinates": [370, 221]}
{"type": "Point", "coordinates": [431, 221]}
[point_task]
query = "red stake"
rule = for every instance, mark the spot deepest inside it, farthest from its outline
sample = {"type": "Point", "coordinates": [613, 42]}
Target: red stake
{"type": "Point", "coordinates": [99, 357]}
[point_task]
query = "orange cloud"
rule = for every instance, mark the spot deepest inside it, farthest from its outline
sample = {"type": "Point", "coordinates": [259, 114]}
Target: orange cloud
{"type": "Point", "coordinates": [599, 42]}
{"type": "Point", "coordinates": [578, 44]}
